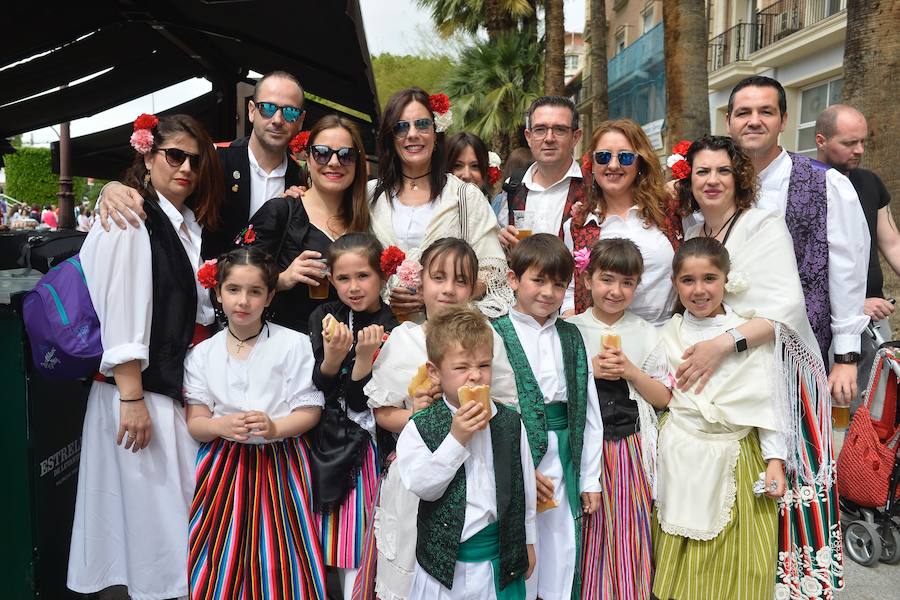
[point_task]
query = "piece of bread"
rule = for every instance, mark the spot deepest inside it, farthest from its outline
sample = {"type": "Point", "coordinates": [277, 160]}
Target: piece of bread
{"type": "Point", "coordinates": [612, 340]}
{"type": "Point", "coordinates": [420, 382]}
{"type": "Point", "coordinates": [542, 506]}
{"type": "Point", "coordinates": [329, 326]}
{"type": "Point", "coordinates": [477, 393]}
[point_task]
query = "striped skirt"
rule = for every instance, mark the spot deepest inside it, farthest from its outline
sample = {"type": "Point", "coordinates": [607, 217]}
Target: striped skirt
{"type": "Point", "coordinates": [617, 561]}
{"type": "Point", "coordinates": [342, 531]}
{"type": "Point", "coordinates": [739, 563]}
{"type": "Point", "coordinates": [252, 531]}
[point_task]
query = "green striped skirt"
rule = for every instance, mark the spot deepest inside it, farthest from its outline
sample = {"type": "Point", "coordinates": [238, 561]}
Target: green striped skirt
{"type": "Point", "coordinates": [739, 563]}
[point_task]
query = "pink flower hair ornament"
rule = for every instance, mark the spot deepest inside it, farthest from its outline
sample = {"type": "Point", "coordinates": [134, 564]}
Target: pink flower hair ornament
{"type": "Point", "coordinates": [582, 259]}
{"type": "Point", "coordinates": [142, 137]}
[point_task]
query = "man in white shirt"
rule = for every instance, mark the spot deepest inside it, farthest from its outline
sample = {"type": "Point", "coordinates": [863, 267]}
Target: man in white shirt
{"type": "Point", "coordinates": [550, 185]}
{"type": "Point", "coordinates": [255, 168]}
{"type": "Point", "coordinates": [834, 285]}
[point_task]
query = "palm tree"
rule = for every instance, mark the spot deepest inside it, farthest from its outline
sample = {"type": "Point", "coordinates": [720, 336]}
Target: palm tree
{"type": "Point", "coordinates": [555, 32]}
{"type": "Point", "coordinates": [468, 16]}
{"type": "Point", "coordinates": [598, 91]}
{"type": "Point", "coordinates": [492, 86]}
{"type": "Point", "coordinates": [687, 100]}
{"type": "Point", "coordinates": [871, 51]}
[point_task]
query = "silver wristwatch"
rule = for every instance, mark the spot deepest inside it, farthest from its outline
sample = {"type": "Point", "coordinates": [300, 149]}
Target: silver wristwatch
{"type": "Point", "coordinates": [740, 342]}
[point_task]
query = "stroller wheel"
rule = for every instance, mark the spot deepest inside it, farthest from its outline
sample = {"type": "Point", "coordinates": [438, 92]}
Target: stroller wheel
{"type": "Point", "coordinates": [890, 543]}
{"type": "Point", "coordinates": [862, 542]}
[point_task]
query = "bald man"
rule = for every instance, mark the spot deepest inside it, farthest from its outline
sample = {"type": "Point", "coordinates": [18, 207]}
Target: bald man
{"type": "Point", "coordinates": [841, 134]}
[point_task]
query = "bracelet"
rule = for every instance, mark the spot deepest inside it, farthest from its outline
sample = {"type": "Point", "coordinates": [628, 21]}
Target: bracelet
{"type": "Point", "coordinates": [131, 399]}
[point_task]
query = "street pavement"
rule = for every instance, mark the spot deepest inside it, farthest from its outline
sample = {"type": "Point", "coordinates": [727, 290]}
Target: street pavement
{"type": "Point", "coordinates": [879, 582]}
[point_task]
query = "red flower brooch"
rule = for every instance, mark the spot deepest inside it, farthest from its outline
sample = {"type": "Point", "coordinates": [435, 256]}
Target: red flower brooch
{"type": "Point", "coordinates": [440, 108]}
{"type": "Point", "coordinates": [207, 273]}
{"type": "Point", "coordinates": [245, 237]}
{"type": "Point", "coordinates": [391, 259]}
{"type": "Point", "coordinates": [676, 161]}
{"type": "Point", "coordinates": [299, 142]}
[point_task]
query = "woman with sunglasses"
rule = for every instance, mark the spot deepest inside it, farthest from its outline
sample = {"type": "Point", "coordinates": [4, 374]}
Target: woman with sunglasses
{"type": "Point", "coordinates": [415, 202]}
{"type": "Point", "coordinates": [136, 469]}
{"type": "Point", "coordinates": [298, 232]}
{"type": "Point", "coordinates": [627, 199]}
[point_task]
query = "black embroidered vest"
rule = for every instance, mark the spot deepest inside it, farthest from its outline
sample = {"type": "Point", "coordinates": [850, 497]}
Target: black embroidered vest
{"type": "Point", "coordinates": [440, 523]}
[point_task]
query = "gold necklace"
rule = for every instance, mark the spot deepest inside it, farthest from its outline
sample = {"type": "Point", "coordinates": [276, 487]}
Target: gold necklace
{"type": "Point", "coordinates": [241, 342]}
{"type": "Point", "coordinates": [412, 180]}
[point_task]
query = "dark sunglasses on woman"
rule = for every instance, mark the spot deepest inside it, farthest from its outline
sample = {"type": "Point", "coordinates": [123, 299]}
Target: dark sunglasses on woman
{"type": "Point", "coordinates": [626, 159]}
{"type": "Point", "coordinates": [322, 154]}
{"type": "Point", "coordinates": [401, 128]}
{"type": "Point", "coordinates": [176, 157]}
{"type": "Point", "coordinates": [288, 113]}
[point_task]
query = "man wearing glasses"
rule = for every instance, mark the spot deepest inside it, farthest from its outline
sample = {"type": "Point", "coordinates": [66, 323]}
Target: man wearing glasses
{"type": "Point", "coordinates": [255, 168]}
{"type": "Point", "coordinates": [552, 184]}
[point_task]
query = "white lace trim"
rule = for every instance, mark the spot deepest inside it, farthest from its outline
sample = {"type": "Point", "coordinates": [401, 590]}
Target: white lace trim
{"type": "Point", "coordinates": [725, 511]}
{"type": "Point", "coordinates": [379, 398]}
{"type": "Point", "coordinates": [315, 398]}
{"type": "Point", "coordinates": [498, 297]}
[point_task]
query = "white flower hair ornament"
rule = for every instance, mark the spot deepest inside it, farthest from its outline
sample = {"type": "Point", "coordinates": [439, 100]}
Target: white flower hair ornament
{"type": "Point", "coordinates": [737, 282]}
{"type": "Point", "coordinates": [440, 109]}
{"type": "Point", "coordinates": [494, 172]}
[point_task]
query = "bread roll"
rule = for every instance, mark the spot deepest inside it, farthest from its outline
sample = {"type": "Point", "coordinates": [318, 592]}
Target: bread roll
{"type": "Point", "coordinates": [420, 382]}
{"type": "Point", "coordinates": [477, 393]}
{"type": "Point", "coordinates": [329, 326]}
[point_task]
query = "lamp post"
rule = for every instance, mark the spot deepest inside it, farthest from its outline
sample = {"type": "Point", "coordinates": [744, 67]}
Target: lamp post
{"type": "Point", "coordinates": [66, 218]}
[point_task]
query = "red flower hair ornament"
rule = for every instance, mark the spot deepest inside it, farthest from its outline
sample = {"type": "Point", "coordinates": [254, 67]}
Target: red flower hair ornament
{"type": "Point", "coordinates": [391, 259]}
{"type": "Point", "coordinates": [142, 138]}
{"type": "Point", "coordinates": [299, 143]}
{"type": "Point", "coordinates": [494, 172]}
{"type": "Point", "coordinates": [207, 274]}
{"type": "Point", "coordinates": [440, 109]}
{"type": "Point", "coordinates": [676, 161]}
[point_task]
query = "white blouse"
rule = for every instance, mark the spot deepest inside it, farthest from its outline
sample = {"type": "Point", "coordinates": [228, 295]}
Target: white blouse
{"type": "Point", "coordinates": [275, 378]}
{"type": "Point", "coordinates": [410, 222]}
{"type": "Point", "coordinates": [654, 294]}
{"type": "Point", "coordinates": [118, 268]}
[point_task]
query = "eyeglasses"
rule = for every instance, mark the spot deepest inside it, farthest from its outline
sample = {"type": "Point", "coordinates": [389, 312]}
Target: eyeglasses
{"type": "Point", "coordinates": [626, 159]}
{"type": "Point", "coordinates": [540, 132]}
{"type": "Point", "coordinates": [176, 157]}
{"type": "Point", "coordinates": [401, 128]}
{"type": "Point", "coordinates": [322, 154]}
{"type": "Point", "coordinates": [288, 113]}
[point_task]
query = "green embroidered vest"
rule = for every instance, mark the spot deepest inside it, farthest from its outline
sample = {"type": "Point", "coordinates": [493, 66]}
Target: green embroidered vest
{"type": "Point", "coordinates": [440, 523]}
{"type": "Point", "coordinates": [531, 398]}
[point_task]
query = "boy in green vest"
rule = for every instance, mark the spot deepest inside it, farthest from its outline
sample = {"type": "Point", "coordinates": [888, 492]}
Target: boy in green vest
{"type": "Point", "coordinates": [559, 407]}
{"type": "Point", "coordinates": [473, 473]}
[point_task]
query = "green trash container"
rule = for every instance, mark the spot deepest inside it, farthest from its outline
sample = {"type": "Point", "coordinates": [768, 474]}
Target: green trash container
{"type": "Point", "coordinates": [40, 447]}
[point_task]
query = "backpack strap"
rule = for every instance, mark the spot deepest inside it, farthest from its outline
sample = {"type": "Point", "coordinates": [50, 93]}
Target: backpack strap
{"type": "Point", "coordinates": [511, 187]}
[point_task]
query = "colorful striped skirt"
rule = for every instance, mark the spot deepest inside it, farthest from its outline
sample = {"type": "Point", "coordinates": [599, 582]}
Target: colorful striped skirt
{"type": "Point", "coordinates": [739, 563]}
{"type": "Point", "coordinates": [252, 530]}
{"type": "Point", "coordinates": [342, 531]}
{"type": "Point", "coordinates": [617, 560]}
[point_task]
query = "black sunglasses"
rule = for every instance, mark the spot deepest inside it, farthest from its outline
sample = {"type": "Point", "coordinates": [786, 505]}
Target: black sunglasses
{"type": "Point", "coordinates": [401, 128]}
{"type": "Point", "coordinates": [288, 113]}
{"type": "Point", "coordinates": [176, 157]}
{"type": "Point", "coordinates": [322, 154]}
{"type": "Point", "coordinates": [626, 159]}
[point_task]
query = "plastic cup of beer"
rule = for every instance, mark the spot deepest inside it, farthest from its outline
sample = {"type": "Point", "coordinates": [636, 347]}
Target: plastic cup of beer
{"type": "Point", "coordinates": [524, 222]}
{"type": "Point", "coordinates": [840, 418]}
{"type": "Point", "coordinates": [612, 340]}
{"type": "Point", "coordinates": [319, 292]}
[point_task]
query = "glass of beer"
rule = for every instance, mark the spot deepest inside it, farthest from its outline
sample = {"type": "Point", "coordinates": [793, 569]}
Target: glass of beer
{"type": "Point", "coordinates": [613, 340]}
{"type": "Point", "coordinates": [320, 292]}
{"type": "Point", "coordinates": [524, 222]}
{"type": "Point", "coordinates": [840, 418]}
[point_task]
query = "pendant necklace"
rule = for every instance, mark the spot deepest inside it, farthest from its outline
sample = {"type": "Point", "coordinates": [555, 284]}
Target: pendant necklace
{"type": "Point", "coordinates": [241, 342]}
{"type": "Point", "coordinates": [412, 180]}
{"type": "Point", "coordinates": [724, 225]}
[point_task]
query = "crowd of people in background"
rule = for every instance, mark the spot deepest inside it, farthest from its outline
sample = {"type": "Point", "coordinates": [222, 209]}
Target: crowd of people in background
{"type": "Point", "coordinates": [290, 354]}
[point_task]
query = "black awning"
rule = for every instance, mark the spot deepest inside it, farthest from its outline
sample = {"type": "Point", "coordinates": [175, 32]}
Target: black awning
{"type": "Point", "coordinates": [151, 44]}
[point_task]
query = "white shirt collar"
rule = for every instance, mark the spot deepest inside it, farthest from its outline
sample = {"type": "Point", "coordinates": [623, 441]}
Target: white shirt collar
{"type": "Point", "coordinates": [530, 322]}
{"type": "Point", "coordinates": [528, 178]}
{"type": "Point", "coordinates": [175, 216]}
{"type": "Point", "coordinates": [631, 213]}
{"type": "Point", "coordinates": [776, 164]}
{"type": "Point", "coordinates": [621, 320]}
{"type": "Point", "coordinates": [716, 321]}
{"type": "Point", "coordinates": [278, 171]}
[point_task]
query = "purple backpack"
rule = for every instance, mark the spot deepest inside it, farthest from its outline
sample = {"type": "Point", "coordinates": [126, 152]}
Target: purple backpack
{"type": "Point", "coordinates": [62, 325]}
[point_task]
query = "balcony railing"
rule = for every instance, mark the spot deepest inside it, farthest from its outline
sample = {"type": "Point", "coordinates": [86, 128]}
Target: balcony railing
{"type": "Point", "coordinates": [735, 44]}
{"type": "Point", "coordinates": [781, 19]}
{"type": "Point", "coordinates": [772, 24]}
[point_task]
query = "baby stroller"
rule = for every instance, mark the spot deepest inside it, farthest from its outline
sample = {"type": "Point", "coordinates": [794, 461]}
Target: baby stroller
{"type": "Point", "coordinates": [869, 466]}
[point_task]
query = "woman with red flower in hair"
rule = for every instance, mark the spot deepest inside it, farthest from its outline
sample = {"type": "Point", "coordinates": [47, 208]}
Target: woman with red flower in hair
{"type": "Point", "coordinates": [415, 201]}
{"type": "Point", "coordinates": [136, 470]}
{"type": "Point", "coordinates": [627, 199]}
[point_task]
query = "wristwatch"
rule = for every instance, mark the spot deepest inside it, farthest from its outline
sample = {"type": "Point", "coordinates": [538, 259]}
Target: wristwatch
{"type": "Point", "coordinates": [850, 358]}
{"type": "Point", "coordinates": [740, 342]}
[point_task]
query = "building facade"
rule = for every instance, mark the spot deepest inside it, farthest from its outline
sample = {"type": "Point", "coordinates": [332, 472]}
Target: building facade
{"type": "Point", "coordinates": [798, 42]}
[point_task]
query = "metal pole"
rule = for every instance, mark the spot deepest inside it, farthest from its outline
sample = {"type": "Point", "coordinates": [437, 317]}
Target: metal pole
{"type": "Point", "coordinates": [66, 218]}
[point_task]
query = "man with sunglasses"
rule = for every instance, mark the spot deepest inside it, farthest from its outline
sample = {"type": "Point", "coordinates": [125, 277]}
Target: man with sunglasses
{"type": "Point", "coordinates": [255, 168]}
{"type": "Point", "coordinates": [553, 184]}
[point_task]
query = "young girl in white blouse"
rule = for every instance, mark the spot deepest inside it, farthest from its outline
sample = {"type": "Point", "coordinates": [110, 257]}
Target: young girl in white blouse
{"type": "Point", "coordinates": [250, 396]}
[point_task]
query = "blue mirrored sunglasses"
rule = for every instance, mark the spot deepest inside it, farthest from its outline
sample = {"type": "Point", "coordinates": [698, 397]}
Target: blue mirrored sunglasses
{"type": "Point", "coordinates": [626, 159]}
{"type": "Point", "coordinates": [401, 128]}
{"type": "Point", "coordinates": [288, 113]}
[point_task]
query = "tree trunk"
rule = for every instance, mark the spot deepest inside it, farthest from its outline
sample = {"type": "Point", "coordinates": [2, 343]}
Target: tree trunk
{"type": "Point", "coordinates": [496, 20]}
{"type": "Point", "coordinates": [598, 91]}
{"type": "Point", "coordinates": [871, 52]}
{"type": "Point", "coordinates": [687, 85]}
{"type": "Point", "coordinates": [554, 53]}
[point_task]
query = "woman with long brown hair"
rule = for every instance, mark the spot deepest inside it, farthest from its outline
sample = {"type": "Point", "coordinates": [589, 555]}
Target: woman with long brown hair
{"type": "Point", "coordinates": [627, 199]}
{"type": "Point", "coordinates": [297, 232]}
{"type": "Point", "coordinates": [131, 512]}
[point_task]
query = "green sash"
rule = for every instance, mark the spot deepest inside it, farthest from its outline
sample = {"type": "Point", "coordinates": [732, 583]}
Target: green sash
{"type": "Point", "coordinates": [484, 546]}
{"type": "Point", "coordinates": [557, 422]}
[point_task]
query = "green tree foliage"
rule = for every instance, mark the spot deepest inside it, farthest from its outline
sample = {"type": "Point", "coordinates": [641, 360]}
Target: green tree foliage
{"type": "Point", "coordinates": [492, 87]}
{"type": "Point", "coordinates": [496, 16]}
{"type": "Point", "coordinates": [30, 178]}
{"type": "Point", "coordinates": [394, 73]}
